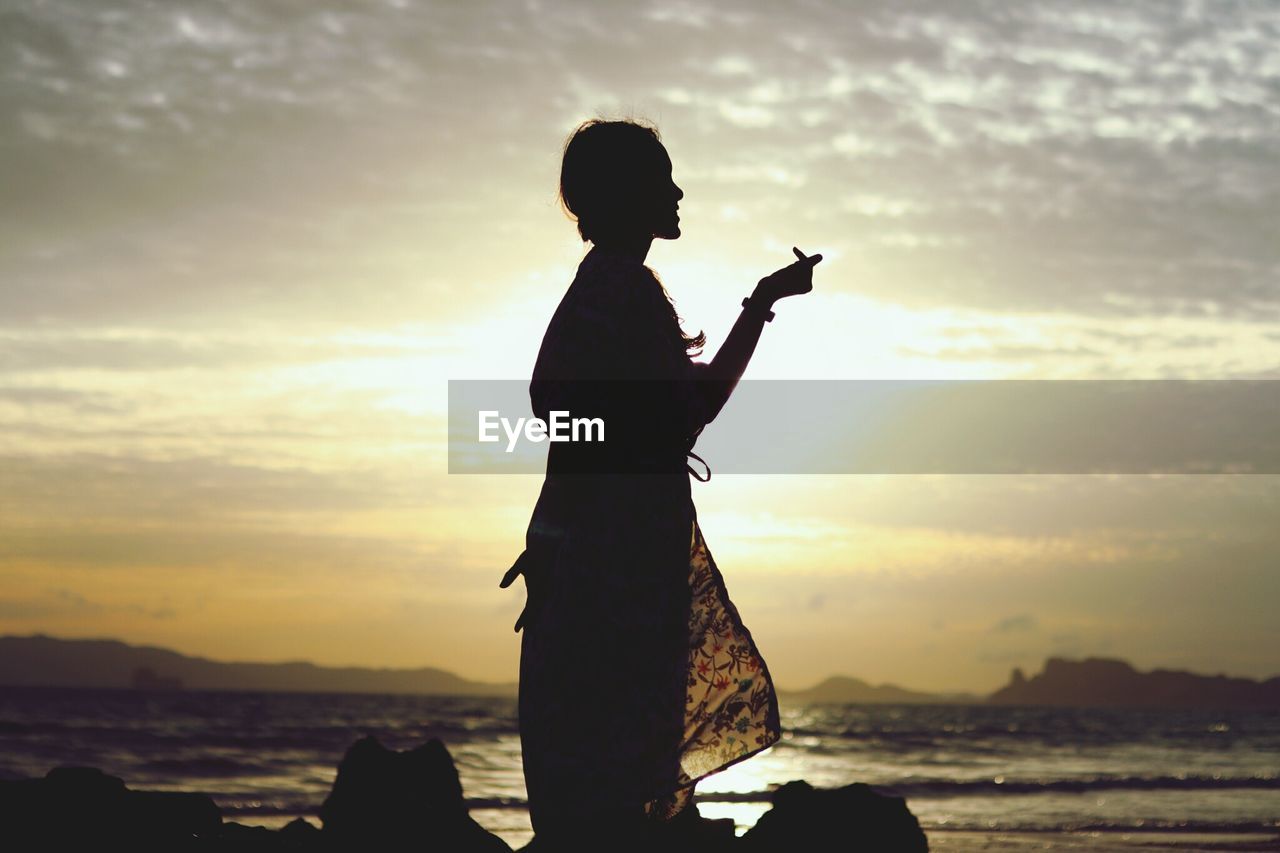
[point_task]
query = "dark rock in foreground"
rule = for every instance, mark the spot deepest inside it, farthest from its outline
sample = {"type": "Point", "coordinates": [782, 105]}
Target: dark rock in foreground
{"type": "Point", "coordinates": [688, 832]}
{"type": "Point", "coordinates": [387, 801]}
{"type": "Point", "coordinates": [853, 818]}
{"type": "Point", "coordinates": [381, 801]}
{"type": "Point", "coordinates": [83, 808]}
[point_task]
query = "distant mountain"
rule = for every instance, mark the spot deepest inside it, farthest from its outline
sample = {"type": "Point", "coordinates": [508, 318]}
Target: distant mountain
{"type": "Point", "coordinates": [48, 661]}
{"type": "Point", "coordinates": [853, 691]}
{"type": "Point", "coordinates": [41, 660]}
{"type": "Point", "coordinates": [1102, 682]}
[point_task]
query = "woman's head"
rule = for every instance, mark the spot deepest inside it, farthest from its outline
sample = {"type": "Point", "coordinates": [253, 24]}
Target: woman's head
{"type": "Point", "coordinates": [615, 180]}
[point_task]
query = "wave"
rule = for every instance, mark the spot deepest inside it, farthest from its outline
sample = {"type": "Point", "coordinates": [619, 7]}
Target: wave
{"type": "Point", "coordinates": [1191, 827]}
{"type": "Point", "coordinates": [978, 787]}
{"type": "Point", "coordinates": [209, 767]}
{"type": "Point", "coordinates": [1243, 826]}
{"type": "Point", "coordinates": [237, 807]}
{"type": "Point", "coordinates": [981, 787]}
{"type": "Point", "coordinates": [234, 807]}
{"type": "Point", "coordinates": [948, 787]}
{"type": "Point", "coordinates": [236, 804]}
{"type": "Point", "coordinates": [301, 808]}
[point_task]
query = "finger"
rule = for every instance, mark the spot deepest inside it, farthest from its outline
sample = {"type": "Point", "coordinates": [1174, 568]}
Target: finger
{"type": "Point", "coordinates": [811, 260]}
{"type": "Point", "coordinates": [511, 575]}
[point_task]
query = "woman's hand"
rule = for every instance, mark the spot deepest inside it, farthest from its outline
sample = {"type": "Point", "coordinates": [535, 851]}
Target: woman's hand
{"type": "Point", "coordinates": [791, 280]}
{"type": "Point", "coordinates": [724, 371]}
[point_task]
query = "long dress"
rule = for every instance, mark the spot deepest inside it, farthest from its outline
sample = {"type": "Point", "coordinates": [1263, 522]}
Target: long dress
{"type": "Point", "coordinates": [637, 676]}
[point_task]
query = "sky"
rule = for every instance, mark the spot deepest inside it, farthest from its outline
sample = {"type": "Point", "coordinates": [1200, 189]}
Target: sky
{"type": "Point", "coordinates": [244, 247]}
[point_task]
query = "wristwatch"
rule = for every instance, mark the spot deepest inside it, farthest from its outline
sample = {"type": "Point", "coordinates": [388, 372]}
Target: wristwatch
{"type": "Point", "coordinates": [747, 303]}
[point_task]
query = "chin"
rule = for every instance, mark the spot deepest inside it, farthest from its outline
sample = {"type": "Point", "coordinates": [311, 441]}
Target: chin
{"type": "Point", "coordinates": [670, 232]}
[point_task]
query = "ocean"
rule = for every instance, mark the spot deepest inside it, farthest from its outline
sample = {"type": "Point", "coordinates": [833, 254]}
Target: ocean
{"type": "Point", "coordinates": [974, 776]}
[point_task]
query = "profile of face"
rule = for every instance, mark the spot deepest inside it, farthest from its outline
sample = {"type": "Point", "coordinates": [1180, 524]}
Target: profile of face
{"type": "Point", "coordinates": [616, 181]}
{"type": "Point", "coordinates": [661, 201]}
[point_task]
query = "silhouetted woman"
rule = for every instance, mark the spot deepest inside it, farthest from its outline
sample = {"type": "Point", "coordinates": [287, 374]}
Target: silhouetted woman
{"type": "Point", "coordinates": [637, 678]}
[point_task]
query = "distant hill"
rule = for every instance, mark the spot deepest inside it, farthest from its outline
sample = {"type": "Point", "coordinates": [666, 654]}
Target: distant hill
{"type": "Point", "coordinates": [41, 660]}
{"type": "Point", "coordinates": [854, 691]}
{"type": "Point", "coordinates": [1102, 682]}
{"type": "Point", "coordinates": [48, 661]}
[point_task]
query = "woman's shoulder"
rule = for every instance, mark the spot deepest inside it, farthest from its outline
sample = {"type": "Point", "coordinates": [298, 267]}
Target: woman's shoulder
{"type": "Point", "coordinates": [610, 278]}
{"type": "Point", "coordinates": [610, 295]}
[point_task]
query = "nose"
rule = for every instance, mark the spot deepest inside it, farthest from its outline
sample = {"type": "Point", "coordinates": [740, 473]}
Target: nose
{"type": "Point", "coordinates": [679, 192]}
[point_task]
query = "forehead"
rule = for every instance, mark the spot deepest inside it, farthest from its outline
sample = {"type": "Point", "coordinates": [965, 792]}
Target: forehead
{"type": "Point", "coordinates": [659, 158]}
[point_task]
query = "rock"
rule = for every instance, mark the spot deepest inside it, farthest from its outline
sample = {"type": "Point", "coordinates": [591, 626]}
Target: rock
{"type": "Point", "coordinates": [694, 833]}
{"type": "Point", "coordinates": [631, 832]}
{"type": "Point", "coordinates": [1110, 683]}
{"type": "Point", "coordinates": [300, 834]}
{"type": "Point", "coordinates": [391, 801]}
{"type": "Point", "coordinates": [238, 838]}
{"type": "Point", "coordinates": [688, 832]}
{"type": "Point", "coordinates": [388, 801]}
{"type": "Point", "coordinates": [852, 819]}
{"type": "Point", "coordinates": [82, 807]}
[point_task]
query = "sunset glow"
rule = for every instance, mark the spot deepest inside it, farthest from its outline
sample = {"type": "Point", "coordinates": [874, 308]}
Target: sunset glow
{"type": "Point", "coordinates": [241, 266]}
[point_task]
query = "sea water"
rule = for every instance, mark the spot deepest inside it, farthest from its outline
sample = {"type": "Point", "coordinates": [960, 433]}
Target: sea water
{"type": "Point", "coordinates": [267, 758]}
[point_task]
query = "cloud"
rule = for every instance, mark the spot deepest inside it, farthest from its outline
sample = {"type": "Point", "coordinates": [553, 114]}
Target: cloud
{"type": "Point", "coordinates": [1014, 352]}
{"type": "Point", "coordinates": [1009, 656]}
{"type": "Point", "coordinates": [211, 189]}
{"type": "Point", "coordinates": [158, 351]}
{"type": "Point", "coordinates": [89, 486]}
{"type": "Point", "coordinates": [1021, 623]}
{"type": "Point", "coordinates": [79, 603]}
{"type": "Point", "coordinates": [225, 158]}
{"type": "Point", "coordinates": [57, 604]}
{"type": "Point", "coordinates": [84, 402]}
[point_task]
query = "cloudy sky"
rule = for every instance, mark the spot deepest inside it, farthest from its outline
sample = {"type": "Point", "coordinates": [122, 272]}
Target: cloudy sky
{"type": "Point", "coordinates": [244, 246]}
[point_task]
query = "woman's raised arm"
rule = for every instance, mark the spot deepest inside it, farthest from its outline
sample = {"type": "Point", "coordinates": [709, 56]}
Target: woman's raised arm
{"type": "Point", "coordinates": [721, 375]}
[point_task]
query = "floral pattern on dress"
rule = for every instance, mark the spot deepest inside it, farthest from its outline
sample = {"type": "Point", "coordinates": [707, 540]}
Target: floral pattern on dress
{"type": "Point", "coordinates": [731, 708]}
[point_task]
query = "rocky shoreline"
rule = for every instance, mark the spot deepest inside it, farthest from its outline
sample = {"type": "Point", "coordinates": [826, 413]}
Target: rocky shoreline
{"type": "Point", "coordinates": [383, 800]}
